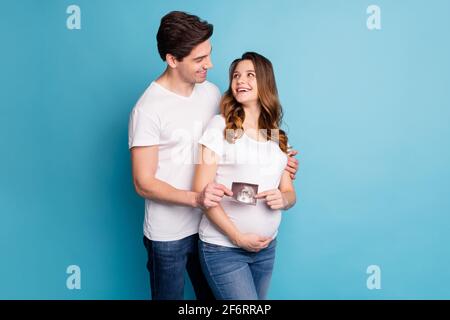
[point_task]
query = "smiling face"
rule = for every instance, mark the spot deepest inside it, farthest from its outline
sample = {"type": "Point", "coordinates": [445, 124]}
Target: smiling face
{"type": "Point", "coordinates": [243, 84]}
{"type": "Point", "coordinates": [194, 67]}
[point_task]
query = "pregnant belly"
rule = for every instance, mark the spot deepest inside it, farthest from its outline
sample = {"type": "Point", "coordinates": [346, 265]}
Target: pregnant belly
{"type": "Point", "coordinates": [258, 219]}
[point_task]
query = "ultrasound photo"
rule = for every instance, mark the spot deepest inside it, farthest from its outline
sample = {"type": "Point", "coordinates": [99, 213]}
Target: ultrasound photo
{"type": "Point", "coordinates": [244, 192]}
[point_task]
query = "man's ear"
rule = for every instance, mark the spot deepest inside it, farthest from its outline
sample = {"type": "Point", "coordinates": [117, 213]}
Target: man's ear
{"type": "Point", "coordinates": [171, 60]}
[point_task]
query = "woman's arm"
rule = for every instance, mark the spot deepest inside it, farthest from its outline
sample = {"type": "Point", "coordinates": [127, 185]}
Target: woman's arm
{"type": "Point", "coordinates": [282, 198]}
{"type": "Point", "coordinates": [288, 191]}
{"type": "Point", "coordinates": [204, 174]}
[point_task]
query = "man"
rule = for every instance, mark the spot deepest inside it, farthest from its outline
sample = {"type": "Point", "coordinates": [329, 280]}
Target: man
{"type": "Point", "coordinates": [164, 128]}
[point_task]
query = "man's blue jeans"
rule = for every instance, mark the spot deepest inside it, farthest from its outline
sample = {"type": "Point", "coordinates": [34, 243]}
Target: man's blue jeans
{"type": "Point", "coordinates": [167, 261]}
{"type": "Point", "coordinates": [236, 274]}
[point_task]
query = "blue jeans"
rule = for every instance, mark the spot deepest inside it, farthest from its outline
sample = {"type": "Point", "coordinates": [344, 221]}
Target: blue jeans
{"type": "Point", "coordinates": [236, 274]}
{"type": "Point", "coordinates": [167, 261]}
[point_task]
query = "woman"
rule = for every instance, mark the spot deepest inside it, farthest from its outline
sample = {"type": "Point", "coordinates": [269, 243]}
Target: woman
{"type": "Point", "coordinates": [244, 148]}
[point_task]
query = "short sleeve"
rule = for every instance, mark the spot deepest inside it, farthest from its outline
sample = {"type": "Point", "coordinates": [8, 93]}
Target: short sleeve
{"type": "Point", "coordinates": [143, 129]}
{"type": "Point", "coordinates": [213, 137]}
{"type": "Point", "coordinates": [289, 146]}
{"type": "Point", "coordinates": [217, 96]}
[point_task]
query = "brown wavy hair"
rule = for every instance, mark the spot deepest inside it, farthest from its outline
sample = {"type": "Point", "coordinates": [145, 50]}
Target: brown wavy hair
{"type": "Point", "coordinates": [271, 114]}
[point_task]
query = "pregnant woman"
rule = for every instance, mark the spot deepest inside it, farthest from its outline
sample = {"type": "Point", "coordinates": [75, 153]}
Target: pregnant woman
{"type": "Point", "coordinates": [244, 149]}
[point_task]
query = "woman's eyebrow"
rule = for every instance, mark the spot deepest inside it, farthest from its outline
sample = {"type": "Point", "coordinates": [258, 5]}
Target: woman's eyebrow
{"type": "Point", "coordinates": [245, 71]}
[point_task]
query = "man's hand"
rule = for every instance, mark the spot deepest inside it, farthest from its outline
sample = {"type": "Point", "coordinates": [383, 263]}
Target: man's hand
{"type": "Point", "coordinates": [211, 195]}
{"type": "Point", "coordinates": [274, 199]}
{"type": "Point", "coordinates": [292, 165]}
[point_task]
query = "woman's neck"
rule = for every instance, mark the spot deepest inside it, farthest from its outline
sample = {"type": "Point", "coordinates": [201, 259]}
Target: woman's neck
{"type": "Point", "coordinates": [252, 112]}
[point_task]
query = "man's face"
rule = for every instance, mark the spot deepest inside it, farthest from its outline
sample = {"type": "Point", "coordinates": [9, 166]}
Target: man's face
{"type": "Point", "coordinates": [193, 68]}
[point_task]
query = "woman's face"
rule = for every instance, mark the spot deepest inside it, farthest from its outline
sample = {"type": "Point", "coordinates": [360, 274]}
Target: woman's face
{"type": "Point", "coordinates": [243, 83]}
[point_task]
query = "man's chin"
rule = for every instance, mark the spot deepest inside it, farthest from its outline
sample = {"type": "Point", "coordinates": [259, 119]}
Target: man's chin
{"type": "Point", "coordinates": [200, 80]}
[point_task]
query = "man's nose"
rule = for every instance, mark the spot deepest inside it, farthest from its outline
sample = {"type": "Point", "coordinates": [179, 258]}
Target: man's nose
{"type": "Point", "coordinates": [208, 64]}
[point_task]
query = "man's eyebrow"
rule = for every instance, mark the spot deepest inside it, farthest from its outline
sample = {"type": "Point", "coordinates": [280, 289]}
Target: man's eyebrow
{"type": "Point", "coordinates": [204, 56]}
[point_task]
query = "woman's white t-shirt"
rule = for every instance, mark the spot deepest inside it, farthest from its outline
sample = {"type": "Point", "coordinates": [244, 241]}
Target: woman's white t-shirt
{"type": "Point", "coordinates": [248, 161]}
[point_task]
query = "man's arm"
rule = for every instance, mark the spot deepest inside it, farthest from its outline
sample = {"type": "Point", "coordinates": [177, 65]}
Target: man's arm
{"type": "Point", "coordinates": [292, 165]}
{"type": "Point", "coordinates": [144, 161]}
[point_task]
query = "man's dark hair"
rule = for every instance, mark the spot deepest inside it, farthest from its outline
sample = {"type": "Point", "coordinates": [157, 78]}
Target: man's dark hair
{"type": "Point", "coordinates": [179, 32]}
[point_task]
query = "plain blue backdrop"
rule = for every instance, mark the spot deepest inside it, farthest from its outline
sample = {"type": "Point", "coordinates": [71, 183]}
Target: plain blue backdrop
{"type": "Point", "coordinates": [368, 110]}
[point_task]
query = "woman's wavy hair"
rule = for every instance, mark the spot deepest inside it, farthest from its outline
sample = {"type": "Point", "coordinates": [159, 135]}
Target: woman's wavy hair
{"type": "Point", "coordinates": [271, 111]}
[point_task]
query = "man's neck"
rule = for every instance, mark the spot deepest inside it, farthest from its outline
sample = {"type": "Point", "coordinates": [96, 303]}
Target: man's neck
{"type": "Point", "coordinates": [172, 82]}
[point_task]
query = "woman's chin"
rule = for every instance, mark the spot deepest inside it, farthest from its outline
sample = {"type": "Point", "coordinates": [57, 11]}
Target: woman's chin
{"type": "Point", "coordinates": [242, 101]}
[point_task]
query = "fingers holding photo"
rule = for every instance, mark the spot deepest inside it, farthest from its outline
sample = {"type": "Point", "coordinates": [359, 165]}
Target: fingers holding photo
{"type": "Point", "coordinates": [267, 193]}
{"type": "Point", "coordinates": [224, 190]}
{"type": "Point", "coordinates": [274, 199]}
{"type": "Point", "coordinates": [212, 194]}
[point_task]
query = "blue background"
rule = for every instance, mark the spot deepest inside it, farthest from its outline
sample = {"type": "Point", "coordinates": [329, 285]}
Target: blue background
{"type": "Point", "coordinates": [368, 111]}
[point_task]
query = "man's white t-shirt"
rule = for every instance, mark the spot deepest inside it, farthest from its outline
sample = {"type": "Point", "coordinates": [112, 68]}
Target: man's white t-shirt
{"type": "Point", "coordinates": [174, 123]}
{"type": "Point", "coordinates": [248, 161]}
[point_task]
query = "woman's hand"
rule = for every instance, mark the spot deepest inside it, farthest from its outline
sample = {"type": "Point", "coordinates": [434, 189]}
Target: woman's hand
{"type": "Point", "coordinates": [251, 242]}
{"type": "Point", "coordinates": [274, 199]}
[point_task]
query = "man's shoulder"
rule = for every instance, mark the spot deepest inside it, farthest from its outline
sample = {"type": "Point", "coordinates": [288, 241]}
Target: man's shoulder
{"type": "Point", "coordinates": [217, 121]}
{"type": "Point", "coordinates": [151, 98]}
{"type": "Point", "coordinates": [210, 87]}
{"type": "Point", "coordinates": [209, 84]}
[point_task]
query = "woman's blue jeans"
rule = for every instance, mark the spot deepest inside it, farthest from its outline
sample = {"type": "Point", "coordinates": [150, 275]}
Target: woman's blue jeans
{"type": "Point", "coordinates": [237, 274]}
